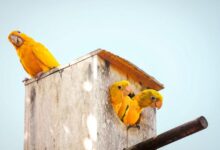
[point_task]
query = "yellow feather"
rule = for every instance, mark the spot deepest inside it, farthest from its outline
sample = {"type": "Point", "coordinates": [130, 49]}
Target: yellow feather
{"type": "Point", "coordinates": [145, 98]}
{"type": "Point", "coordinates": [34, 57]}
{"type": "Point", "coordinates": [118, 93]}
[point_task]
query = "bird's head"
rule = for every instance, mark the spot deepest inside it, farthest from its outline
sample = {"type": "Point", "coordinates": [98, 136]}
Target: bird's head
{"type": "Point", "coordinates": [120, 89]}
{"type": "Point", "coordinates": [18, 38]}
{"type": "Point", "coordinates": [150, 98]}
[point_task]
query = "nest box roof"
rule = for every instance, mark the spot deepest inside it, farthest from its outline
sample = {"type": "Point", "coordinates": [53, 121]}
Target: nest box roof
{"type": "Point", "coordinates": [120, 64]}
{"type": "Point", "coordinates": [129, 69]}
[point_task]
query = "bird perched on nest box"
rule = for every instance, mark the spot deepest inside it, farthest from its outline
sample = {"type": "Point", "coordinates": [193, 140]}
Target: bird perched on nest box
{"type": "Point", "coordinates": [119, 91]}
{"type": "Point", "coordinates": [34, 57]}
{"type": "Point", "coordinates": [134, 106]}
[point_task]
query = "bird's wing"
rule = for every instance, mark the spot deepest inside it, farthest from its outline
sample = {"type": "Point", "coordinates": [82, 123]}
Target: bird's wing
{"type": "Point", "coordinates": [26, 69]}
{"type": "Point", "coordinates": [44, 56]}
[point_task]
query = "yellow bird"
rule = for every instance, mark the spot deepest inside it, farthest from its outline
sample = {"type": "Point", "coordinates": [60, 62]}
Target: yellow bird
{"type": "Point", "coordinates": [126, 102]}
{"type": "Point", "coordinates": [134, 106]}
{"type": "Point", "coordinates": [34, 57]}
{"type": "Point", "coordinates": [118, 92]}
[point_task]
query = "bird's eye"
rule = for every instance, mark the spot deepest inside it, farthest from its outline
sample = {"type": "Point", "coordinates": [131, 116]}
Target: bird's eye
{"type": "Point", "coordinates": [119, 87]}
{"type": "Point", "coordinates": [18, 31]}
{"type": "Point", "coordinates": [153, 98]}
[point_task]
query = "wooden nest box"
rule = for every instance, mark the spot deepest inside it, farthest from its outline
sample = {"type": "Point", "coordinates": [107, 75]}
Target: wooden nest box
{"type": "Point", "coordinates": [69, 108]}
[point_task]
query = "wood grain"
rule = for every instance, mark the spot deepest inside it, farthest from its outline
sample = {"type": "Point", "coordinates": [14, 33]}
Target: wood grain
{"type": "Point", "coordinates": [70, 110]}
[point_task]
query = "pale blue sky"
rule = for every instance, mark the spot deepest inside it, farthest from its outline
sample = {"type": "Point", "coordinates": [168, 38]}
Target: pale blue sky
{"type": "Point", "coordinates": [175, 41]}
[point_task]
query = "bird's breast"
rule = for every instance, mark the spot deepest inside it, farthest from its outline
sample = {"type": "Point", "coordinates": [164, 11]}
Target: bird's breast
{"type": "Point", "coordinates": [29, 61]}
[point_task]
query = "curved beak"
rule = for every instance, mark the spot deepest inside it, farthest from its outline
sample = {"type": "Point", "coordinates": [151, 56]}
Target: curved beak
{"type": "Point", "coordinates": [15, 40]}
{"type": "Point", "coordinates": [157, 104]}
{"type": "Point", "coordinates": [127, 90]}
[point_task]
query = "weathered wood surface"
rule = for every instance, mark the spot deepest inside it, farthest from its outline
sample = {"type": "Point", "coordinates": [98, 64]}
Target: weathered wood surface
{"type": "Point", "coordinates": [70, 110]}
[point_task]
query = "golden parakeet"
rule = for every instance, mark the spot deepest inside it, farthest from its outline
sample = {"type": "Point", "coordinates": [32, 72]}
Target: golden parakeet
{"type": "Point", "coordinates": [132, 110]}
{"type": "Point", "coordinates": [34, 57]}
{"type": "Point", "coordinates": [118, 92]}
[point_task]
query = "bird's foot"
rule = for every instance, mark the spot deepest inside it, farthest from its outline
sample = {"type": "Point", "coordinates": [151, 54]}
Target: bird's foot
{"type": "Point", "coordinates": [134, 126]}
{"type": "Point", "coordinates": [138, 126]}
{"type": "Point", "coordinates": [54, 69]}
{"type": "Point", "coordinates": [25, 79]}
{"type": "Point", "coordinates": [39, 75]}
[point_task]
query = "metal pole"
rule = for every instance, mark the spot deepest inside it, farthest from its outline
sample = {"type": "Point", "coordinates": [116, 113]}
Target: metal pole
{"type": "Point", "coordinates": [172, 135]}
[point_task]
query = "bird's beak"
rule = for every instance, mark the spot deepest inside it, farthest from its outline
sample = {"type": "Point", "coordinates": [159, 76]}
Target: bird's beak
{"type": "Point", "coordinates": [127, 90]}
{"type": "Point", "coordinates": [157, 104]}
{"type": "Point", "coordinates": [15, 40]}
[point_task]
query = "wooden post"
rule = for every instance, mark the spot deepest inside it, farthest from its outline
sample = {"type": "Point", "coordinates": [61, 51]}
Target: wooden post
{"type": "Point", "coordinates": [172, 135]}
{"type": "Point", "coordinates": [69, 109]}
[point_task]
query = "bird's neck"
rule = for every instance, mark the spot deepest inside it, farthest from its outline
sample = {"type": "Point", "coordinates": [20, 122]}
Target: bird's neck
{"type": "Point", "coordinates": [140, 103]}
{"type": "Point", "coordinates": [137, 106]}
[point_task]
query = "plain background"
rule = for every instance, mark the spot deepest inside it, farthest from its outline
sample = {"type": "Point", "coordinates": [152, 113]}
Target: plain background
{"type": "Point", "coordinates": [175, 41]}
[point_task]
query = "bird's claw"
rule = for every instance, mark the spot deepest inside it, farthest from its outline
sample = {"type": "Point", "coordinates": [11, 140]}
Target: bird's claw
{"type": "Point", "coordinates": [38, 76]}
{"type": "Point", "coordinates": [138, 126]}
{"type": "Point", "coordinates": [25, 79]}
{"type": "Point", "coordinates": [134, 126]}
{"type": "Point", "coordinates": [54, 69]}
